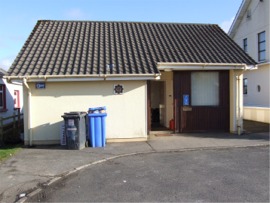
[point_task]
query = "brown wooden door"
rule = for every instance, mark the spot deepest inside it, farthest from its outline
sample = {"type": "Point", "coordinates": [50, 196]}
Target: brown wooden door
{"type": "Point", "coordinates": [201, 118]}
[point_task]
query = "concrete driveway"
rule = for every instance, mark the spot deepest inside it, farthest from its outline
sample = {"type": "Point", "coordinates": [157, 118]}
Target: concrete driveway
{"type": "Point", "coordinates": [28, 170]}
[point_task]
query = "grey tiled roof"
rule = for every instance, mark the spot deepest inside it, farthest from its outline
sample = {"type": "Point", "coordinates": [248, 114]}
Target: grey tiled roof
{"type": "Point", "coordinates": [86, 47]}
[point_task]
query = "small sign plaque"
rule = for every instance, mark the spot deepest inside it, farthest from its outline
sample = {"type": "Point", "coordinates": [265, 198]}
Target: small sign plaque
{"type": "Point", "coordinates": [187, 108]}
{"type": "Point", "coordinates": [40, 85]}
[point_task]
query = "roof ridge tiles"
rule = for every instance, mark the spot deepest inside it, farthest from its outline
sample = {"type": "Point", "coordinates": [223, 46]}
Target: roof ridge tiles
{"type": "Point", "coordinates": [138, 22]}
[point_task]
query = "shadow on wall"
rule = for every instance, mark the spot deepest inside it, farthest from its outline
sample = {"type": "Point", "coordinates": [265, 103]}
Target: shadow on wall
{"type": "Point", "coordinates": [46, 134]}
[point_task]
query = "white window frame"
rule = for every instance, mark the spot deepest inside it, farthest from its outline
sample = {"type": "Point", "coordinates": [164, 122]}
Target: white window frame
{"type": "Point", "coordinates": [261, 50]}
{"type": "Point", "coordinates": [245, 45]}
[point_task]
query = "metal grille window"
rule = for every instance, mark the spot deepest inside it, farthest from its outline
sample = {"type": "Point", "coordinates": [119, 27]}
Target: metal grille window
{"type": "Point", "coordinates": [205, 89]}
{"type": "Point", "coordinates": [261, 46]}
{"type": "Point", "coordinates": [245, 45]}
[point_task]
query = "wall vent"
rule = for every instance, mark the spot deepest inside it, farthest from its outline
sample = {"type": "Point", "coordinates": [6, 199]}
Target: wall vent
{"type": "Point", "coordinates": [249, 14]}
{"type": "Point", "coordinates": [118, 89]}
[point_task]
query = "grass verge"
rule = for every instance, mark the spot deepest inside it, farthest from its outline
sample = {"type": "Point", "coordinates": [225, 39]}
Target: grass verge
{"type": "Point", "coordinates": [8, 151]}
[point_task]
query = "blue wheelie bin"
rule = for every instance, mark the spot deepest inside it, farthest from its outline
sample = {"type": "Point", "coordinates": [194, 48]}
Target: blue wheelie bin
{"type": "Point", "coordinates": [97, 126]}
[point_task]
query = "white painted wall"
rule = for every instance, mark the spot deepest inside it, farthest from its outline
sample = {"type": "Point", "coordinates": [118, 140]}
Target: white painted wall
{"type": "Point", "coordinates": [10, 98]}
{"type": "Point", "coordinates": [257, 78]}
{"type": "Point", "coordinates": [250, 27]}
{"type": "Point", "coordinates": [126, 113]}
{"type": "Point", "coordinates": [256, 104]}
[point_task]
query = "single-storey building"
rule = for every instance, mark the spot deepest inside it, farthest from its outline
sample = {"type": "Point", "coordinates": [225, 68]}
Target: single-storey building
{"type": "Point", "coordinates": [189, 75]}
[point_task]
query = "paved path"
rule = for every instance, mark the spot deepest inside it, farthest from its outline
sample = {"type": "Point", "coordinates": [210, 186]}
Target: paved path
{"type": "Point", "coordinates": [33, 167]}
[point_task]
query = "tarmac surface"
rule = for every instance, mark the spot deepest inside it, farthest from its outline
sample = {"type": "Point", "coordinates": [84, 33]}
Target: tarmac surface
{"type": "Point", "coordinates": [217, 175]}
{"type": "Point", "coordinates": [32, 168]}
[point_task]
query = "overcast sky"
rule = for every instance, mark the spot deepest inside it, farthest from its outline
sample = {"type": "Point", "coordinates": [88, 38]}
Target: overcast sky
{"type": "Point", "coordinates": [18, 17]}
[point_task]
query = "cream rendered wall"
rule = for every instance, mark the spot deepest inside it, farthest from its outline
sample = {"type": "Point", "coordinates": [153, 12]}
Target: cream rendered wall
{"type": "Point", "coordinates": [236, 101]}
{"type": "Point", "coordinates": [126, 113]}
{"type": "Point", "coordinates": [260, 114]}
{"type": "Point", "coordinates": [167, 77]}
{"type": "Point", "coordinates": [26, 115]}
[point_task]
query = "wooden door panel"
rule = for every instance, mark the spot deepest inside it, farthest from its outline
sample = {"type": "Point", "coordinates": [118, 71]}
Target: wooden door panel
{"type": "Point", "coordinates": [202, 118]}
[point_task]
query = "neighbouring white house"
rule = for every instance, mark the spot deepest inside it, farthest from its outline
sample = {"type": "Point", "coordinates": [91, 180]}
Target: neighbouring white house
{"type": "Point", "coordinates": [11, 97]}
{"type": "Point", "coordinates": [187, 74]}
{"type": "Point", "coordinates": [251, 31]}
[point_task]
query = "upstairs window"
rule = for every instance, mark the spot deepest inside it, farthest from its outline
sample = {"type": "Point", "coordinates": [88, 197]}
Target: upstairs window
{"type": "Point", "coordinates": [245, 45]}
{"type": "Point", "coordinates": [261, 47]}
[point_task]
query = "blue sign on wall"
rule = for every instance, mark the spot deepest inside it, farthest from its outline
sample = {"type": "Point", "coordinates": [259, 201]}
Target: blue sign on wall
{"type": "Point", "coordinates": [185, 100]}
{"type": "Point", "coordinates": [40, 85]}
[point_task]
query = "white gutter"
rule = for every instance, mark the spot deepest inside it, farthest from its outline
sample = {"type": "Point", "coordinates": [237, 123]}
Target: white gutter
{"type": "Point", "coordinates": [204, 66]}
{"type": "Point", "coordinates": [29, 112]}
{"type": "Point", "coordinates": [13, 82]}
{"type": "Point", "coordinates": [200, 64]}
{"type": "Point", "coordinates": [96, 77]}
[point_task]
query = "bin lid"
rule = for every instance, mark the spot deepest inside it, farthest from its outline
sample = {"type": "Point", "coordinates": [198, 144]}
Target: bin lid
{"type": "Point", "coordinates": [97, 108]}
{"type": "Point", "coordinates": [74, 114]}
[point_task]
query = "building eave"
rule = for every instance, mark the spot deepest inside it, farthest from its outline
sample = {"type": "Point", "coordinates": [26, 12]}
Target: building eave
{"type": "Point", "coordinates": [203, 66]}
{"type": "Point", "coordinates": [83, 78]}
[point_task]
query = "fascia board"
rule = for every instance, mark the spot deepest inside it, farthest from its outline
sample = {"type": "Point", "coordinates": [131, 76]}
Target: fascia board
{"type": "Point", "coordinates": [175, 67]}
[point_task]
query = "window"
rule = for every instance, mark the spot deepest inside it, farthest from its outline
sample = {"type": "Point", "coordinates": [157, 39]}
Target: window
{"type": "Point", "coordinates": [2, 97]}
{"type": "Point", "coordinates": [245, 85]}
{"type": "Point", "coordinates": [205, 89]}
{"type": "Point", "coordinates": [245, 45]}
{"type": "Point", "coordinates": [261, 47]}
